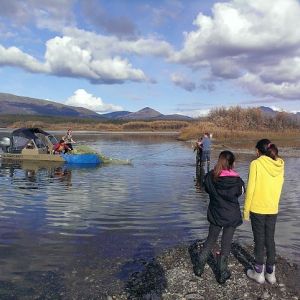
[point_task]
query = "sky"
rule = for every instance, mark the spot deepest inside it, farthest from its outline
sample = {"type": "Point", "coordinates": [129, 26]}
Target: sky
{"type": "Point", "coordinates": [177, 57]}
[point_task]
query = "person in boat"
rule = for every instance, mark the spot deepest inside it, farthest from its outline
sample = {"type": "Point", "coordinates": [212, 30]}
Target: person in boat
{"type": "Point", "coordinates": [61, 147]}
{"type": "Point", "coordinates": [30, 145]}
{"type": "Point", "coordinates": [69, 139]}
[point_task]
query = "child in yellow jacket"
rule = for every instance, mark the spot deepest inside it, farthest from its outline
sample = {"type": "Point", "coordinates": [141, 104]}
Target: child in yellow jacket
{"type": "Point", "coordinates": [265, 182]}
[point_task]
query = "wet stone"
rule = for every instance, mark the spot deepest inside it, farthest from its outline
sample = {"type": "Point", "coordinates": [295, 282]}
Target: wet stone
{"type": "Point", "coordinates": [266, 295]}
{"type": "Point", "coordinates": [193, 296]}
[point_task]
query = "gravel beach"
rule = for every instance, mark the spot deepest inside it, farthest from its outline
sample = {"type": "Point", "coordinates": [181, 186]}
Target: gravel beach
{"type": "Point", "coordinates": [170, 277]}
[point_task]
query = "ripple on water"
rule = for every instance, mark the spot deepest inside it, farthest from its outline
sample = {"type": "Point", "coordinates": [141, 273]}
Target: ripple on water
{"type": "Point", "coordinates": [114, 213]}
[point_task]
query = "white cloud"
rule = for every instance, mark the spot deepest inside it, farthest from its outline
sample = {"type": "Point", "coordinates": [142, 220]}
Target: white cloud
{"type": "Point", "coordinates": [249, 38]}
{"type": "Point", "coordinates": [79, 58]}
{"type": "Point", "coordinates": [257, 87]}
{"type": "Point", "coordinates": [15, 57]}
{"type": "Point", "coordinates": [81, 98]}
{"type": "Point", "coordinates": [183, 82]}
{"type": "Point", "coordinates": [83, 54]}
{"type": "Point", "coordinates": [195, 113]}
{"type": "Point", "coordinates": [242, 27]}
{"type": "Point", "coordinates": [109, 45]}
{"type": "Point", "coordinates": [276, 108]}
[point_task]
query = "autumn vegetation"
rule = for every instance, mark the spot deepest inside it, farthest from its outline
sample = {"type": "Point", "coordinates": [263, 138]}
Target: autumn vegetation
{"type": "Point", "coordinates": [60, 123]}
{"type": "Point", "coordinates": [236, 124]}
{"type": "Point", "coordinates": [243, 126]}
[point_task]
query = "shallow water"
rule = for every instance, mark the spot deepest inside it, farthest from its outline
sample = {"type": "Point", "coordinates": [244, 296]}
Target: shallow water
{"type": "Point", "coordinates": [102, 223]}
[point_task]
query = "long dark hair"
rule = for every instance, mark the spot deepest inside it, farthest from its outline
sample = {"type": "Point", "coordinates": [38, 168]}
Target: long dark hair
{"type": "Point", "coordinates": [266, 147]}
{"type": "Point", "coordinates": [225, 162]}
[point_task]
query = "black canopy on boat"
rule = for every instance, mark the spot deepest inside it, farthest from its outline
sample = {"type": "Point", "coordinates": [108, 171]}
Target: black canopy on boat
{"type": "Point", "coordinates": [20, 138]}
{"type": "Point", "coordinates": [29, 133]}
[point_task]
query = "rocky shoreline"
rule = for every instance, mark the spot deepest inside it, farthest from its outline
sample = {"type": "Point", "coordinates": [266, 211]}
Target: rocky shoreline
{"type": "Point", "coordinates": [170, 277]}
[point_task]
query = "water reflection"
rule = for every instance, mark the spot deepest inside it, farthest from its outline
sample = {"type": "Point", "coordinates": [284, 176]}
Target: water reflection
{"type": "Point", "coordinates": [200, 173]}
{"type": "Point", "coordinates": [32, 175]}
{"type": "Point", "coordinates": [101, 223]}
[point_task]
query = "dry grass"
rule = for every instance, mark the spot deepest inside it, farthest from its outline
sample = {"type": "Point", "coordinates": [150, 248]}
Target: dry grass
{"type": "Point", "coordinates": [106, 126]}
{"type": "Point", "coordinates": [155, 126]}
{"type": "Point", "coordinates": [241, 138]}
{"type": "Point", "coordinates": [236, 125]}
{"type": "Point", "coordinates": [237, 118]}
{"type": "Point", "coordinates": [243, 127]}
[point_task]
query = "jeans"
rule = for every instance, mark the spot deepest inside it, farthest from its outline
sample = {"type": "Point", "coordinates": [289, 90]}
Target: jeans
{"type": "Point", "coordinates": [226, 240]}
{"type": "Point", "coordinates": [205, 156]}
{"type": "Point", "coordinates": [263, 227]}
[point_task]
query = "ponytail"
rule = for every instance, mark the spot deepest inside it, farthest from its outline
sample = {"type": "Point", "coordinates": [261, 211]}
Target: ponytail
{"type": "Point", "coordinates": [272, 151]}
{"type": "Point", "coordinates": [266, 147]}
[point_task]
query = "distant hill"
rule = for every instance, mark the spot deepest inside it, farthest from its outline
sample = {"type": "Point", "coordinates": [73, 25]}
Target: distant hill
{"type": "Point", "coordinates": [272, 113]}
{"type": "Point", "coordinates": [115, 115]}
{"type": "Point", "coordinates": [143, 114]}
{"type": "Point", "coordinates": [18, 105]}
{"type": "Point", "coordinates": [146, 113]}
{"type": "Point", "coordinates": [268, 111]}
{"type": "Point", "coordinates": [176, 117]}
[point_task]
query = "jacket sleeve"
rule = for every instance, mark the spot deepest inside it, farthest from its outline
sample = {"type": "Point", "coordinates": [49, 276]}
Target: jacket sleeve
{"type": "Point", "coordinates": [250, 190]}
{"type": "Point", "coordinates": [241, 189]}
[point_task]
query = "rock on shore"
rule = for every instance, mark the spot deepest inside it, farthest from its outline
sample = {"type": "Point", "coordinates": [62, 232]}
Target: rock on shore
{"type": "Point", "coordinates": [170, 277]}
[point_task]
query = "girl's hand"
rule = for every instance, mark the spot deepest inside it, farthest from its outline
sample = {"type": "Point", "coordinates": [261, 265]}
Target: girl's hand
{"type": "Point", "coordinates": [246, 216]}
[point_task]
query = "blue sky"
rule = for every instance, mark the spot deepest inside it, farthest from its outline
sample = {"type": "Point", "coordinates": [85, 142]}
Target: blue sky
{"type": "Point", "coordinates": [174, 56]}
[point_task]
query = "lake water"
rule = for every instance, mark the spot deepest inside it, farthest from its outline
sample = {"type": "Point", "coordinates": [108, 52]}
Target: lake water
{"type": "Point", "coordinates": [64, 228]}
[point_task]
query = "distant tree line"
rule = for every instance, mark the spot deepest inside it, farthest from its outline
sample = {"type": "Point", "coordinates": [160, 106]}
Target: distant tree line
{"type": "Point", "coordinates": [236, 123]}
{"type": "Point", "coordinates": [237, 118]}
{"type": "Point", "coordinates": [61, 123]}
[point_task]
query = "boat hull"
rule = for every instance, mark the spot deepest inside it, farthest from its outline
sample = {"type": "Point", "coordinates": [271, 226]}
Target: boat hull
{"type": "Point", "coordinates": [66, 158]}
{"type": "Point", "coordinates": [87, 159]}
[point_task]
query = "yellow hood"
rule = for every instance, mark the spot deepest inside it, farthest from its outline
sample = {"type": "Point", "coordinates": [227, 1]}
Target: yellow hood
{"type": "Point", "coordinates": [273, 167]}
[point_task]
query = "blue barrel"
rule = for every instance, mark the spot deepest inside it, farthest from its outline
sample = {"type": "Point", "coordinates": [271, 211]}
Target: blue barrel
{"type": "Point", "coordinates": [79, 159]}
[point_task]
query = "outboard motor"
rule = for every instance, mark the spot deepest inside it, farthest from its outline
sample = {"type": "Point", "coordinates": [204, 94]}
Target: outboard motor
{"type": "Point", "coordinates": [5, 144]}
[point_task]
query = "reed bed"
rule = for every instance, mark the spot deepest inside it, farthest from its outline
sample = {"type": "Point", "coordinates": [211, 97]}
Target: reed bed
{"type": "Point", "coordinates": [243, 127]}
{"type": "Point", "coordinates": [106, 126]}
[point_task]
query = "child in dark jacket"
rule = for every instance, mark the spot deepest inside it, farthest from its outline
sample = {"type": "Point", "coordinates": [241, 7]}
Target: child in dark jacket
{"type": "Point", "coordinates": [224, 186]}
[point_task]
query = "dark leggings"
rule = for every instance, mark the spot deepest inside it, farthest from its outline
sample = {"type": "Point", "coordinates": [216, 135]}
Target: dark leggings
{"type": "Point", "coordinates": [213, 235]}
{"type": "Point", "coordinates": [263, 227]}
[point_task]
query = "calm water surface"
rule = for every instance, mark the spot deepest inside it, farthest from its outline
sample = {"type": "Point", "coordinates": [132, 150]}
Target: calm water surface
{"type": "Point", "coordinates": [68, 226]}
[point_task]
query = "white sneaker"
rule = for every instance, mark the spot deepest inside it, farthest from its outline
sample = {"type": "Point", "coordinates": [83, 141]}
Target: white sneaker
{"type": "Point", "coordinates": [258, 277]}
{"type": "Point", "coordinates": [270, 277]}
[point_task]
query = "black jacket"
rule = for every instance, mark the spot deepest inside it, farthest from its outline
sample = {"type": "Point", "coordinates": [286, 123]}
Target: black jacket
{"type": "Point", "coordinates": [224, 208]}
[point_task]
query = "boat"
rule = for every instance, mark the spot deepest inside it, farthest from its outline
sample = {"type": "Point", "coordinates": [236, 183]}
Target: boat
{"type": "Point", "coordinates": [36, 144]}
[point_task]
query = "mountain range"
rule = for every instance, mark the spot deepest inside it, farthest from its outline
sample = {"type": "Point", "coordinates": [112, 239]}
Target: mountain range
{"type": "Point", "coordinates": [269, 111]}
{"type": "Point", "coordinates": [146, 113]}
{"type": "Point", "coordinates": [18, 105]}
